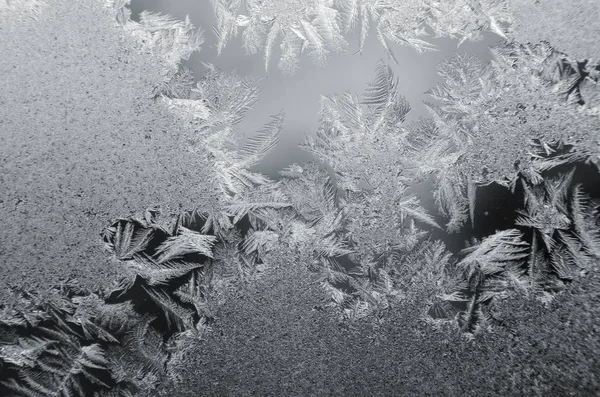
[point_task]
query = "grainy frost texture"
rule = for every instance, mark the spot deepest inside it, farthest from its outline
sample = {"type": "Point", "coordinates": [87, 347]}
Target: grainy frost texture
{"type": "Point", "coordinates": [571, 26]}
{"type": "Point", "coordinates": [82, 141]}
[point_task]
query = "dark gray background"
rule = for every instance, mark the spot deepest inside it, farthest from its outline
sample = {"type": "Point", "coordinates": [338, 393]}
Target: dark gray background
{"type": "Point", "coordinates": [299, 95]}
